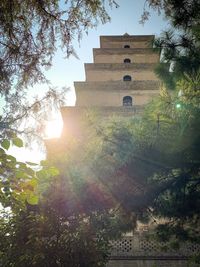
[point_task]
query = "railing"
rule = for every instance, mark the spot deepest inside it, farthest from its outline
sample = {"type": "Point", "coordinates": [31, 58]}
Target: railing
{"type": "Point", "coordinates": [139, 246]}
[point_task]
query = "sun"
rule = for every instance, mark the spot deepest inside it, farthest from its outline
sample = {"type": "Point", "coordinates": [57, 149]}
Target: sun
{"type": "Point", "coordinates": [53, 128]}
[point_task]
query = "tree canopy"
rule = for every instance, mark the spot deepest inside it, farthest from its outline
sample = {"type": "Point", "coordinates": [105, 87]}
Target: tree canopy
{"type": "Point", "coordinates": [159, 157]}
{"type": "Point", "coordinates": [181, 14]}
{"type": "Point", "coordinates": [31, 31]}
{"type": "Point", "coordinates": [179, 46]}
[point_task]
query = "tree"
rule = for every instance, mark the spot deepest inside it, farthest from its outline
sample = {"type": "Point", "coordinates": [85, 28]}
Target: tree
{"type": "Point", "coordinates": [151, 165]}
{"type": "Point", "coordinates": [30, 34]}
{"type": "Point", "coordinates": [180, 55]}
{"type": "Point", "coordinates": [182, 14]}
{"type": "Point", "coordinates": [70, 224]}
{"type": "Point", "coordinates": [179, 46]}
{"type": "Point", "coordinates": [17, 179]}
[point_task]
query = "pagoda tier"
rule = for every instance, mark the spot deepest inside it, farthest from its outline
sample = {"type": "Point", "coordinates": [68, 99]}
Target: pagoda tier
{"type": "Point", "coordinates": [120, 41]}
{"type": "Point", "coordinates": [116, 71]}
{"type": "Point", "coordinates": [117, 55]}
{"type": "Point", "coordinates": [101, 94]}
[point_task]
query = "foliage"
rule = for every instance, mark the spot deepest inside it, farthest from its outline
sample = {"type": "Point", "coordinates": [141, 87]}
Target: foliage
{"type": "Point", "coordinates": [177, 147]}
{"type": "Point", "coordinates": [47, 218]}
{"type": "Point", "coordinates": [182, 14]}
{"type": "Point", "coordinates": [179, 46]}
{"type": "Point", "coordinates": [18, 180]}
{"type": "Point", "coordinates": [177, 137]}
{"type": "Point", "coordinates": [31, 31]}
{"type": "Point", "coordinates": [180, 55]}
{"type": "Point", "coordinates": [49, 237]}
{"type": "Point", "coordinates": [140, 169]}
{"type": "Point", "coordinates": [54, 217]}
{"type": "Point", "coordinates": [28, 118]}
{"type": "Point", "coordinates": [156, 160]}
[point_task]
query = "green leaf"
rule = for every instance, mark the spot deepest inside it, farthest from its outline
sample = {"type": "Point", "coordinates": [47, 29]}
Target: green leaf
{"type": "Point", "coordinates": [31, 163]}
{"type": "Point", "coordinates": [5, 144]}
{"type": "Point", "coordinates": [17, 142]}
{"type": "Point", "coordinates": [42, 174]}
{"type": "Point", "coordinates": [30, 171]}
{"type": "Point", "coordinates": [47, 173]}
{"type": "Point", "coordinates": [22, 165]}
{"type": "Point", "coordinates": [44, 163]}
{"type": "Point", "coordinates": [33, 182]}
{"type": "Point", "coordinates": [11, 158]}
{"type": "Point", "coordinates": [21, 175]}
{"type": "Point", "coordinates": [32, 199]}
{"type": "Point", "coordinates": [53, 171]}
{"type": "Point", "coordinates": [2, 151]}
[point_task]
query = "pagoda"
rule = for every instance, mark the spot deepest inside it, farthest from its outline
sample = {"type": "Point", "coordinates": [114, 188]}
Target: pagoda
{"type": "Point", "coordinates": [121, 80]}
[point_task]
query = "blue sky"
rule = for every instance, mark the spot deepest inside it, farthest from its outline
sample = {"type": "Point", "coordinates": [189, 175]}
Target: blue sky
{"type": "Point", "coordinates": [123, 19]}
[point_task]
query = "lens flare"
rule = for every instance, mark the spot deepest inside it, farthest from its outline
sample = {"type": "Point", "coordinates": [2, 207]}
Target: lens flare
{"type": "Point", "coordinates": [53, 128]}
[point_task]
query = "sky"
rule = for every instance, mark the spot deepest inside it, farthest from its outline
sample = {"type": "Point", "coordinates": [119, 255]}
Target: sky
{"type": "Point", "coordinates": [64, 72]}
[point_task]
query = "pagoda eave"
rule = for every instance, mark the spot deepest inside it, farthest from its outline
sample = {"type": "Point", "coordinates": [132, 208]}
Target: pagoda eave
{"type": "Point", "coordinates": [118, 85]}
{"type": "Point", "coordinates": [119, 66]}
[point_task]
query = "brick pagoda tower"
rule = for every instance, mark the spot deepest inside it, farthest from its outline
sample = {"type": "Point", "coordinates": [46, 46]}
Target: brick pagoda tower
{"type": "Point", "coordinates": [120, 81]}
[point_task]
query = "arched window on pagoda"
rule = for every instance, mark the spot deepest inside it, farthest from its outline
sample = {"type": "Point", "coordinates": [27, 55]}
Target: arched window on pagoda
{"type": "Point", "coordinates": [126, 46]}
{"type": "Point", "coordinates": [127, 60]}
{"type": "Point", "coordinates": [127, 78]}
{"type": "Point", "coordinates": [127, 101]}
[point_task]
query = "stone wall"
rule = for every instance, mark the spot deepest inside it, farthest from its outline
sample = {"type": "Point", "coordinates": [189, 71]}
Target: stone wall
{"type": "Point", "coordinates": [104, 98]}
{"type": "Point", "coordinates": [119, 41]}
{"type": "Point", "coordinates": [111, 72]}
{"type": "Point", "coordinates": [117, 75]}
{"type": "Point", "coordinates": [112, 93]}
{"type": "Point", "coordinates": [139, 55]}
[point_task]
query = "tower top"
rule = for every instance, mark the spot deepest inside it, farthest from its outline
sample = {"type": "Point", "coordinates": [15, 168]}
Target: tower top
{"type": "Point", "coordinates": [128, 36]}
{"type": "Point", "coordinates": [132, 41]}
